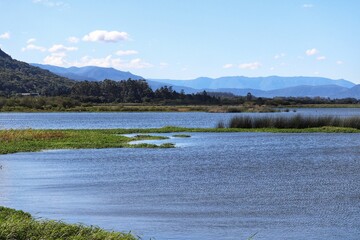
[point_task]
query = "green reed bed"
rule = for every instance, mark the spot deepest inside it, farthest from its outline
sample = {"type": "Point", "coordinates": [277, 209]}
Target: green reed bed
{"type": "Point", "coordinates": [293, 122]}
{"type": "Point", "coordinates": [22, 226]}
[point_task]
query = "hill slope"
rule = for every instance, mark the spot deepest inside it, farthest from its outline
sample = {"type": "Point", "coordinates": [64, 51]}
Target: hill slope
{"type": "Point", "coordinates": [20, 77]}
{"type": "Point", "coordinates": [89, 73]}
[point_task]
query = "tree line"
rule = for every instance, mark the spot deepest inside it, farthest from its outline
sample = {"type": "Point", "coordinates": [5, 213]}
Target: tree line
{"type": "Point", "coordinates": [134, 91]}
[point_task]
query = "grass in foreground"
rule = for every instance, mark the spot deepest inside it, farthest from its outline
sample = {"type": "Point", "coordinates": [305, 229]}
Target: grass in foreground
{"type": "Point", "coordinates": [12, 141]}
{"type": "Point", "coordinates": [22, 226]}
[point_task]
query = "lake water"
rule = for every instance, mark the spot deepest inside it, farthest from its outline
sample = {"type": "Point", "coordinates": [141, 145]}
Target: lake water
{"type": "Point", "coordinates": [140, 119]}
{"type": "Point", "coordinates": [212, 186]}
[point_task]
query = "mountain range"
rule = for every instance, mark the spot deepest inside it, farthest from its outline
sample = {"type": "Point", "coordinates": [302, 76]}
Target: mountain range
{"type": "Point", "coordinates": [89, 73]}
{"type": "Point", "coordinates": [21, 77]}
{"type": "Point", "coordinates": [273, 86]}
{"type": "Point", "coordinates": [260, 83]}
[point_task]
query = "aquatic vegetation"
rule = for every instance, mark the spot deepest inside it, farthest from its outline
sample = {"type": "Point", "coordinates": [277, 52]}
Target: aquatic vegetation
{"type": "Point", "coordinates": [31, 140]}
{"type": "Point", "coordinates": [181, 135]}
{"type": "Point", "coordinates": [22, 226]}
{"type": "Point", "coordinates": [293, 122]}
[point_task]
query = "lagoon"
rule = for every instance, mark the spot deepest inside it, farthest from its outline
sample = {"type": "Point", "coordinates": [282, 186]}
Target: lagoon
{"type": "Point", "coordinates": [212, 186]}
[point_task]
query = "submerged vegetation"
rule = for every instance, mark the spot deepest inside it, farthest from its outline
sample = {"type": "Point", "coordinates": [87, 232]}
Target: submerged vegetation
{"type": "Point", "coordinates": [292, 122]}
{"type": "Point", "coordinates": [22, 226]}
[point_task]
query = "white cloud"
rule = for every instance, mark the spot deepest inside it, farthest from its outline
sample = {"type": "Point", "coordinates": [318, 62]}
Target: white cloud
{"type": "Point", "coordinates": [57, 59]}
{"type": "Point", "coordinates": [339, 62]}
{"type": "Point", "coordinates": [61, 48]}
{"type": "Point", "coordinates": [272, 69]}
{"type": "Point", "coordinates": [109, 61]}
{"type": "Point", "coordinates": [250, 66]}
{"type": "Point", "coordinates": [30, 47]}
{"type": "Point", "coordinates": [138, 64]}
{"type": "Point", "coordinates": [321, 58]}
{"type": "Point", "coordinates": [58, 55]}
{"type": "Point", "coordinates": [73, 39]}
{"type": "Point", "coordinates": [105, 36]}
{"type": "Point", "coordinates": [229, 65]}
{"type": "Point", "coordinates": [280, 55]}
{"type": "Point", "coordinates": [50, 3]}
{"type": "Point", "coordinates": [31, 40]}
{"type": "Point", "coordinates": [126, 52]}
{"type": "Point", "coordinates": [5, 35]}
{"type": "Point", "coordinates": [311, 52]}
{"type": "Point", "coordinates": [307, 5]}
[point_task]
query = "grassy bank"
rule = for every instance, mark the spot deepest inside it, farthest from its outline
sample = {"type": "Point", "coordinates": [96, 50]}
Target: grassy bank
{"type": "Point", "coordinates": [293, 122]}
{"type": "Point", "coordinates": [12, 141]}
{"type": "Point", "coordinates": [22, 226]}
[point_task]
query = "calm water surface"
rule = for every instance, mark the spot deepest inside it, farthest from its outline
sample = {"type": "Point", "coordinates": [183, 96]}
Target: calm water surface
{"type": "Point", "coordinates": [212, 186]}
{"type": "Point", "coordinates": [140, 119]}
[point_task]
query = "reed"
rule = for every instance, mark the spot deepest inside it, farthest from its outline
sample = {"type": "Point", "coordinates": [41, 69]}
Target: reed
{"type": "Point", "coordinates": [293, 122]}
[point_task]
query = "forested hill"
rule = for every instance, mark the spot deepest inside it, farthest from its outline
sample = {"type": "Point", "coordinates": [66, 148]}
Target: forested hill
{"type": "Point", "coordinates": [20, 77]}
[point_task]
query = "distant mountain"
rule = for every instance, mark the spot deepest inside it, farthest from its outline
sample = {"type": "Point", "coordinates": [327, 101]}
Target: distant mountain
{"type": "Point", "coordinates": [90, 73]}
{"type": "Point", "coordinates": [259, 83]}
{"type": "Point", "coordinates": [353, 92]}
{"type": "Point", "coordinates": [326, 91]}
{"type": "Point", "coordinates": [20, 77]}
{"type": "Point", "coordinates": [272, 86]}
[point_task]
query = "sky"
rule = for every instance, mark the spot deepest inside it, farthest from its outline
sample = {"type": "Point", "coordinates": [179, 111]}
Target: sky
{"type": "Point", "coordinates": [186, 39]}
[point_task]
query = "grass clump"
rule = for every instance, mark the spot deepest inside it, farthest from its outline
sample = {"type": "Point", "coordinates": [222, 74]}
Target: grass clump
{"type": "Point", "coordinates": [148, 137]}
{"type": "Point", "coordinates": [181, 135]}
{"type": "Point", "coordinates": [293, 122]}
{"type": "Point", "coordinates": [22, 226]}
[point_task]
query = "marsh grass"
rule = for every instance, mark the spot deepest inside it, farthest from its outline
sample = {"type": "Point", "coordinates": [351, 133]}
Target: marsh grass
{"type": "Point", "coordinates": [30, 140]}
{"type": "Point", "coordinates": [149, 137]}
{"type": "Point", "coordinates": [294, 122]}
{"type": "Point", "coordinates": [22, 226]}
{"type": "Point", "coordinates": [181, 135]}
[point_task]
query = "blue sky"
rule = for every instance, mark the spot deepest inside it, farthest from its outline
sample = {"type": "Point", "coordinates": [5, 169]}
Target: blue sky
{"type": "Point", "coordinates": [183, 39]}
